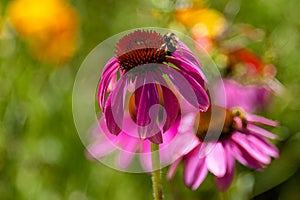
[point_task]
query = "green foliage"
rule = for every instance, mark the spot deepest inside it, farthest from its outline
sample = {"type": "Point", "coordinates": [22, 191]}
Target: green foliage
{"type": "Point", "coordinates": [41, 155]}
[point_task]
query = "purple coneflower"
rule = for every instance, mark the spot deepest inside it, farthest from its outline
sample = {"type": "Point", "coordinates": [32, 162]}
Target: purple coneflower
{"type": "Point", "coordinates": [147, 61]}
{"type": "Point", "coordinates": [241, 139]}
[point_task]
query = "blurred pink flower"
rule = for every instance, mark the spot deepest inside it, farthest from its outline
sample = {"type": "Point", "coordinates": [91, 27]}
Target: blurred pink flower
{"type": "Point", "coordinates": [127, 146]}
{"type": "Point", "coordinates": [250, 97]}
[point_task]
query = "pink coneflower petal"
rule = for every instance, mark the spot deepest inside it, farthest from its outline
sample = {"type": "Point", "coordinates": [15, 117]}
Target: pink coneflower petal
{"type": "Point", "coordinates": [173, 168]}
{"type": "Point", "coordinates": [262, 120]}
{"type": "Point", "coordinates": [112, 82]}
{"type": "Point", "coordinates": [145, 103]}
{"type": "Point", "coordinates": [148, 97]}
{"type": "Point", "coordinates": [264, 145]}
{"type": "Point", "coordinates": [113, 126]}
{"type": "Point", "coordinates": [171, 105]}
{"type": "Point", "coordinates": [188, 67]}
{"type": "Point", "coordinates": [124, 159]}
{"type": "Point", "coordinates": [195, 169]}
{"type": "Point", "coordinates": [170, 134]}
{"type": "Point", "coordinates": [177, 147]}
{"type": "Point", "coordinates": [114, 109]}
{"type": "Point", "coordinates": [167, 149]}
{"type": "Point", "coordinates": [100, 148]}
{"type": "Point", "coordinates": [216, 160]}
{"type": "Point", "coordinates": [191, 161]}
{"type": "Point", "coordinates": [199, 99]}
{"type": "Point", "coordinates": [203, 100]}
{"type": "Point", "coordinates": [244, 143]}
{"type": "Point", "coordinates": [224, 182]}
{"type": "Point", "coordinates": [109, 72]}
{"type": "Point", "coordinates": [129, 146]}
{"type": "Point", "coordinates": [243, 157]}
{"type": "Point", "coordinates": [142, 102]}
{"type": "Point", "coordinates": [177, 143]}
{"type": "Point", "coordinates": [169, 146]}
{"type": "Point", "coordinates": [200, 175]}
{"type": "Point", "coordinates": [185, 53]}
{"type": "Point", "coordinates": [261, 131]}
{"type": "Point", "coordinates": [145, 158]}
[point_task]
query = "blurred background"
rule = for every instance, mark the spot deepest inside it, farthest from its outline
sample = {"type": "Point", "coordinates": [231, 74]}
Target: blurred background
{"type": "Point", "coordinates": [42, 45]}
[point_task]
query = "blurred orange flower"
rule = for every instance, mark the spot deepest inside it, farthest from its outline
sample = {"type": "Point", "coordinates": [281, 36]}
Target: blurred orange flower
{"type": "Point", "coordinates": [205, 24]}
{"type": "Point", "coordinates": [49, 26]}
{"type": "Point", "coordinates": [205, 21]}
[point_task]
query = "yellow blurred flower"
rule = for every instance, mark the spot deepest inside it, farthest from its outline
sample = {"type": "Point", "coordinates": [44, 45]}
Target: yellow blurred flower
{"type": "Point", "coordinates": [49, 26]}
{"type": "Point", "coordinates": [204, 21]}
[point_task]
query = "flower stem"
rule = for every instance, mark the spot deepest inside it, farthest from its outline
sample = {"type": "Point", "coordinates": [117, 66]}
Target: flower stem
{"type": "Point", "coordinates": [223, 195]}
{"type": "Point", "coordinates": [156, 174]}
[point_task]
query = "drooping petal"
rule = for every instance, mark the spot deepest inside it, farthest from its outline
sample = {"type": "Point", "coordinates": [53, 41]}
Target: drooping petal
{"type": "Point", "coordinates": [128, 146]}
{"type": "Point", "coordinates": [263, 145]}
{"type": "Point", "coordinates": [100, 148]}
{"type": "Point", "coordinates": [195, 169]}
{"type": "Point", "coordinates": [170, 134]}
{"type": "Point", "coordinates": [177, 141]}
{"type": "Point", "coordinates": [216, 160]}
{"type": "Point", "coordinates": [142, 99]}
{"type": "Point", "coordinates": [245, 144]}
{"type": "Point", "coordinates": [124, 159]}
{"type": "Point", "coordinates": [188, 88]}
{"type": "Point", "coordinates": [170, 101]}
{"type": "Point", "coordinates": [104, 142]}
{"type": "Point", "coordinates": [191, 161]}
{"type": "Point", "coordinates": [112, 83]}
{"type": "Point", "coordinates": [139, 82]}
{"type": "Point", "coordinates": [172, 168]}
{"type": "Point", "coordinates": [185, 53]}
{"type": "Point", "coordinates": [244, 157]}
{"type": "Point", "coordinates": [108, 75]}
{"type": "Point", "coordinates": [189, 68]}
{"type": "Point", "coordinates": [112, 125]}
{"type": "Point", "coordinates": [143, 106]}
{"type": "Point", "coordinates": [114, 108]}
{"type": "Point", "coordinates": [148, 97]}
{"type": "Point", "coordinates": [171, 105]}
{"type": "Point", "coordinates": [261, 120]}
{"type": "Point", "coordinates": [260, 131]}
{"type": "Point", "coordinates": [145, 156]}
{"type": "Point", "coordinates": [224, 182]}
{"type": "Point", "coordinates": [201, 94]}
{"type": "Point", "coordinates": [200, 175]}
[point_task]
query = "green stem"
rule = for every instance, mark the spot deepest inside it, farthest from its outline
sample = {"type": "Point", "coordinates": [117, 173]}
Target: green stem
{"type": "Point", "coordinates": [156, 174]}
{"type": "Point", "coordinates": [223, 195]}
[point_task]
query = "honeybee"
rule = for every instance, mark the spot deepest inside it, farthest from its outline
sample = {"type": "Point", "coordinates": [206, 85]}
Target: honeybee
{"type": "Point", "coordinates": [171, 43]}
